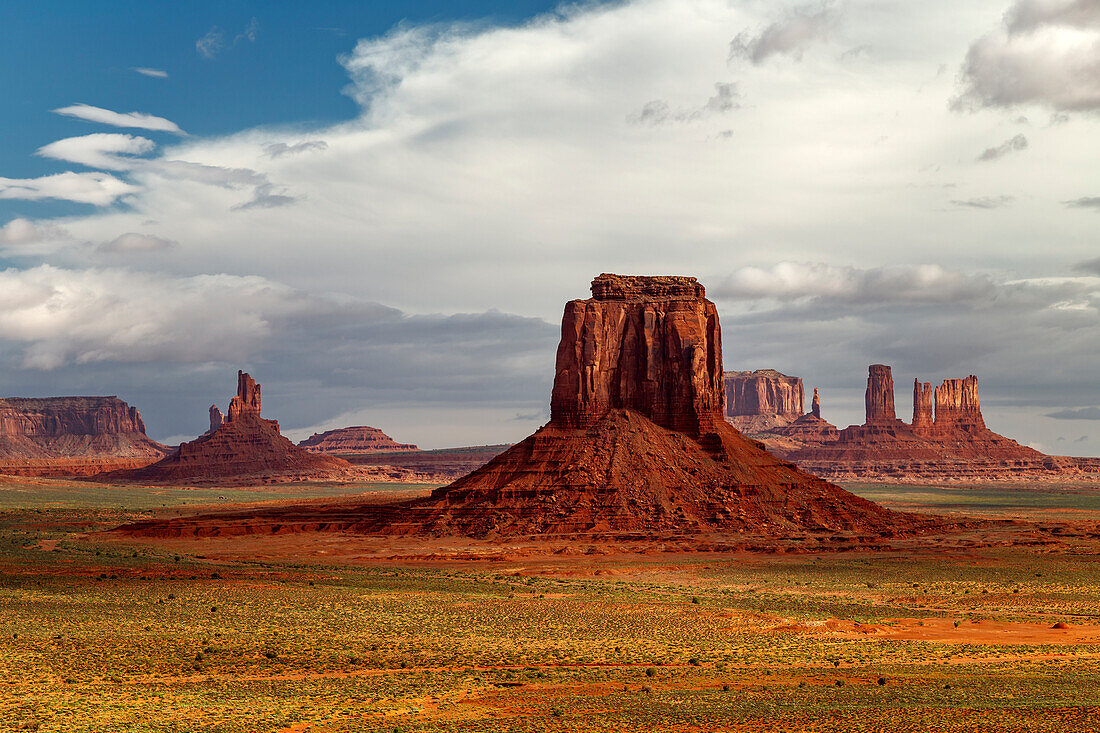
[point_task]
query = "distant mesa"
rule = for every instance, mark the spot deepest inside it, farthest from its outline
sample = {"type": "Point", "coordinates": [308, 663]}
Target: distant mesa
{"type": "Point", "coordinates": [353, 440]}
{"type": "Point", "coordinates": [242, 448]}
{"type": "Point", "coordinates": [636, 446]}
{"type": "Point", "coordinates": [72, 436]}
{"type": "Point", "coordinates": [947, 439]}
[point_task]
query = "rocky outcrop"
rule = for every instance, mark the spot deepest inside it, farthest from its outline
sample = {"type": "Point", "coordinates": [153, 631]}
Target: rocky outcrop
{"type": "Point", "coordinates": [815, 406]}
{"type": "Point", "coordinates": [923, 417]}
{"type": "Point", "coordinates": [879, 398]}
{"type": "Point", "coordinates": [762, 399]}
{"type": "Point", "coordinates": [650, 345]}
{"type": "Point", "coordinates": [247, 401]}
{"type": "Point", "coordinates": [358, 439]}
{"type": "Point", "coordinates": [217, 419]}
{"type": "Point", "coordinates": [636, 445]}
{"type": "Point", "coordinates": [72, 436]}
{"type": "Point", "coordinates": [957, 405]}
{"type": "Point", "coordinates": [244, 449]}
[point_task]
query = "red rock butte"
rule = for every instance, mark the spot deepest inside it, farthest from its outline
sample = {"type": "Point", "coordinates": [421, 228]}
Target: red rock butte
{"type": "Point", "coordinates": [72, 436]}
{"type": "Point", "coordinates": [353, 440]}
{"type": "Point", "coordinates": [244, 448]}
{"type": "Point", "coordinates": [948, 439]}
{"type": "Point", "coordinates": [636, 446]}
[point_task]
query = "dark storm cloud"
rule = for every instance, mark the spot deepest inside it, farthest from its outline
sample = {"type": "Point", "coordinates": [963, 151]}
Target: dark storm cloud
{"type": "Point", "coordinates": [789, 36]}
{"type": "Point", "coordinates": [1013, 144]}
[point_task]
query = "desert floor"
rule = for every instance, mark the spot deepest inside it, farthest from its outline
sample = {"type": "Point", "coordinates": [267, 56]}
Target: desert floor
{"type": "Point", "coordinates": [331, 633]}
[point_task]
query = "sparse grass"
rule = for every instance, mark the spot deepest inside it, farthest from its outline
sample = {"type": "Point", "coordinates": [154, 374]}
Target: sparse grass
{"type": "Point", "coordinates": [105, 637]}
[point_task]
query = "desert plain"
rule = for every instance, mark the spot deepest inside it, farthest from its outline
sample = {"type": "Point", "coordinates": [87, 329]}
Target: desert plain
{"type": "Point", "coordinates": [993, 629]}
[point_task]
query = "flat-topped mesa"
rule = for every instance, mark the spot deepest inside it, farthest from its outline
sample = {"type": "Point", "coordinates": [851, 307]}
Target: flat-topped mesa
{"type": "Point", "coordinates": [247, 401]}
{"type": "Point", "coordinates": [763, 392]}
{"type": "Point", "coordinates": [815, 406]}
{"type": "Point", "coordinates": [957, 405]}
{"type": "Point", "coordinates": [645, 287]}
{"type": "Point", "coordinates": [922, 408]}
{"type": "Point", "coordinates": [879, 397]}
{"type": "Point", "coordinates": [648, 344]}
{"type": "Point", "coordinates": [217, 419]}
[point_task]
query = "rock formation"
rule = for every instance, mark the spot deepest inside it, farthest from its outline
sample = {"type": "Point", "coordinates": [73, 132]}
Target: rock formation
{"type": "Point", "coordinates": [72, 436]}
{"type": "Point", "coordinates": [879, 397]}
{"type": "Point", "coordinates": [762, 399]}
{"type": "Point", "coordinates": [957, 405]}
{"type": "Point", "coordinates": [636, 445]}
{"type": "Point", "coordinates": [815, 406]}
{"type": "Point", "coordinates": [922, 408]}
{"type": "Point", "coordinates": [245, 448]}
{"type": "Point", "coordinates": [217, 419]}
{"type": "Point", "coordinates": [651, 345]}
{"type": "Point", "coordinates": [358, 439]}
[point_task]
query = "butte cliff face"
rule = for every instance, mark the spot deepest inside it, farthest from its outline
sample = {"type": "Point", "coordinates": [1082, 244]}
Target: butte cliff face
{"type": "Point", "coordinates": [358, 439]}
{"type": "Point", "coordinates": [72, 436]}
{"type": "Point", "coordinates": [245, 448]}
{"type": "Point", "coordinates": [636, 446]}
{"type": "Point", "coordinates": [762, 399]}
{"type": "Point", "coordinates": [637, 442]}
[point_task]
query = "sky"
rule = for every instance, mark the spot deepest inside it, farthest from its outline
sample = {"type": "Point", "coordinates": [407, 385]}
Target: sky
{"type": "Point", "coordinates": [379, 209]}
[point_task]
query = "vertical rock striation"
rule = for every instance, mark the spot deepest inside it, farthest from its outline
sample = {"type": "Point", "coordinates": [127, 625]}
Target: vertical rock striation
{"type": "Point", "coordinates": [217, 419]}
{"type": "Point", "coordinates": [957, 405]}
{"type": "Point", "coordinates": [879, 397]}
{"type": "Point", "coordinates": [922, 408]}
{"type": "Point", "coordinates": [762, 399]}
{"type": "Point", "coordinates": [815, 406]}
{"type": "Point", "coordinates": [247, 401]}
{"type": "Point", "coordinates": [651, 345]}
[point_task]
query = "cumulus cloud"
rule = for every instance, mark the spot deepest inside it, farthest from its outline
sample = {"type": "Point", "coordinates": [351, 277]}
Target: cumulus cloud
{"type": "Point", "coordinates": [139, 120]}
{"type": "Point", "coordinates": [155, 73]}
{"type": "Point", "coordinates": [25, 231]}
{"type": "Point", "coordinates": [1013, 144]}
{"type": "Point", "coordinates": [1080, 413]}
{"type": "Point", "coordinates": [1047, 53]}
{"type": "Point", "coordinates": [98, 189]}
{"type": "Point", "coordinates": [275, 150]}
{"type": "Point", "coordinates": [110, 151]}
{"type": "Point", "coordinates": [134, 242]}
{"type": "Point", "coordinates": [789, 36]}
{"type": "Point", "coordinates": [789, 281]}
{"type": "Point", "coordinates": [984, 202]}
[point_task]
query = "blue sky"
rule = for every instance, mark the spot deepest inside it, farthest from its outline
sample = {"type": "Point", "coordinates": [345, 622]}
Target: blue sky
{"type": "Point", "coordinates": [282, 71]}
{"type": "Point", "coordinates": [378, 209]}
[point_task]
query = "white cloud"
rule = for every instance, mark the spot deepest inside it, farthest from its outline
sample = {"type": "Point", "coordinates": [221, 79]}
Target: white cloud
{"type": "Point", "coordinates": [99, 150]}
{"type": "Point", "coordinates": [1047, 53]}
{"type": "Point", "coordinates": [211, 44]}
{"type": "Point", "coordinates": [98, 189]}
{"type": "Point", "coordinates": [792, 281]}
{"type": "Point", "coordinates": [1012, 145]}
{"type": "Point", "coordinates": [138, 120]}
{"type": "Point", "coordinates": [25, 231]}
{"type": "Point", "coordinates": [789, 36]}
{"type": "Point", "coordinates": [155, 73]}
{"type": "Point", "coordinates": [134, 242]}
{"type": "Point", "coordinates": [117, 315]}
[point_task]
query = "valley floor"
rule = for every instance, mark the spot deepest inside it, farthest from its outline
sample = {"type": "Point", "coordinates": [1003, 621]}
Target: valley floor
{"type": "Point", "coordinates": [102, 635]}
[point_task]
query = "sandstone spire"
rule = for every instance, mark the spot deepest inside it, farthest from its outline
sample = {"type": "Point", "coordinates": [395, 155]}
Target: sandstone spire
{"type": "Point", "coordinates": [922, 407]}
{"type": "Point", "coordinates": [217, 419]}
{"type": "Point", "coordinates": [247, 401]}
{"type": "Point", "coordinates": [815, 406]}
{"type": "Point", "coordinates": [880, 394]}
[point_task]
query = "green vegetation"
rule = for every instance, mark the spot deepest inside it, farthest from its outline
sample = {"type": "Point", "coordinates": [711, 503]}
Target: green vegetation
{"type": "Point", "coordinates": [98, 635]}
